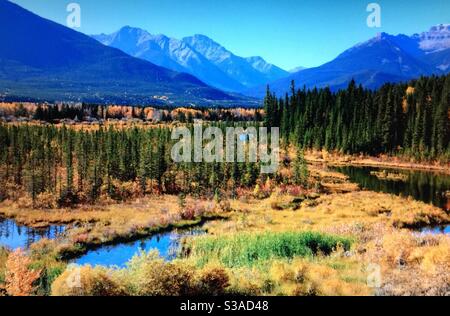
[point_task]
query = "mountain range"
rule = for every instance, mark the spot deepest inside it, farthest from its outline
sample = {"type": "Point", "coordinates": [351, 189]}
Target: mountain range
{"type": "Point", "coordinates": [384, 58]}
{"type": "Point", "coordinates": [43, 60]}
{"type": "Point", "coordinates": [197, 55]}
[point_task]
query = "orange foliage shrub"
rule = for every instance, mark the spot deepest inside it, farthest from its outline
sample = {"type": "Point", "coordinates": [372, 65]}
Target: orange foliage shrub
{"type": "Point", "coordinates": [19, 278]}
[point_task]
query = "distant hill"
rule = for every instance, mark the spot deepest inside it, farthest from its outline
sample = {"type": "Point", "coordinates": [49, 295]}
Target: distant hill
{"type": "Point", "coordinates": [43, 60]}
{"type": "Point", "coordinates": [197, 55]}
{"type": "Point", "coordinates": [384, 58]}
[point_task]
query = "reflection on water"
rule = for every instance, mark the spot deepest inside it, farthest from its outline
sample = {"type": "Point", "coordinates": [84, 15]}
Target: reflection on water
{"type": "Point", "coordinates": [118, 255]}
{"type": "Point", "coordinates": [424, 186]}
{"type": "Point", "coordinates": [428, 187]}
{"type": "Point", "coordinates": [15, 236]}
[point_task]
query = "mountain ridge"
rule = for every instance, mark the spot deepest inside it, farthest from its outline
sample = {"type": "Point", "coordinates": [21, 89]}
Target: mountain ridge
{"type": "Point", "coordinates": [70, 66]}
{"type": "Point", "coordinates": [198, 55]}
{"type": "Point", "coordinates": [383, 58]}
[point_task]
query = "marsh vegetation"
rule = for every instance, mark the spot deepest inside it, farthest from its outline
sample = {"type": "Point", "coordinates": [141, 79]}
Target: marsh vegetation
{"type": "Point", "coordinates": [102, 185]}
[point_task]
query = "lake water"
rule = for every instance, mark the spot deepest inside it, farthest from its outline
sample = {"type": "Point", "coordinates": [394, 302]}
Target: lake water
{"type": "Point", "coordinates": [429, 187]}
{"type": "Point", "coordinates": [167, 245]}
{"type": "Point", "coordinates": [15, 236]}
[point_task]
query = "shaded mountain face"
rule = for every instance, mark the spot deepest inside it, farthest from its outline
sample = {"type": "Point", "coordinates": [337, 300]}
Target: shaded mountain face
{"type": "Point", "coordinates": [45, 60]}
{"type": "Point", "coordinates": [197, 55]}
{"type": "Point", "coordinates": [384, 58]}
{"type": "Point", "coordinates": [249, 72]}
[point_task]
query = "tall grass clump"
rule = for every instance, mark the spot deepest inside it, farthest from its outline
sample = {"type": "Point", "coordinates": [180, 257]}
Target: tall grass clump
{"type": "Point", "coordinates": [248, 249]}
{"type": "Point", "coordinates": [3, 258]}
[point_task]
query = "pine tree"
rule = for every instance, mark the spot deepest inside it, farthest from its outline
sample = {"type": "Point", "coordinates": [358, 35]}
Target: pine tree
{"type": "Point", "coordinates": [300, 169]}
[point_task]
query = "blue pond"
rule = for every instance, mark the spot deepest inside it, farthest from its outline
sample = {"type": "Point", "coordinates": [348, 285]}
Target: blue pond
{"type": "Point", "coordinates": [167, 245]}
{"type": "Point", "coordinates": [15, 236]}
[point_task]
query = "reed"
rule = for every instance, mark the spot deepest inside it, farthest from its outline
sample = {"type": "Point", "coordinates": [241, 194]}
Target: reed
{"type": "Point", "coordinates": [249, 249]}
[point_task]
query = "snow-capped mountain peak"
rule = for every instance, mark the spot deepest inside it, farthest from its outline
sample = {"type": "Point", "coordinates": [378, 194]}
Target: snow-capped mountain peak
{"type": "Point", "coordinates": [436, 39]}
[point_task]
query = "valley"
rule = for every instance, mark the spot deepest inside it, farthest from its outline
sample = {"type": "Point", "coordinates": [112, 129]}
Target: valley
{"type": "Point", "coordinates": [134, 163]}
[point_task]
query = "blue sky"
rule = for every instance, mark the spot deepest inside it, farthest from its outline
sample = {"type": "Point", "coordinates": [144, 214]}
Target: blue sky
{"type": "Point", "coordinates": [288, 33]}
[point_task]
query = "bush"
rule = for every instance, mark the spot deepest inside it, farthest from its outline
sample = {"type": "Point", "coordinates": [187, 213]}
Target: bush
{"type": "Point", "coordinates": [149, 275]}
{"type": "Point", "coordinates": [44, 248]}
{"type": "Point", "coordinates": [46, 200]}
{"type": "Point", "coordinates": [166, 280]}
{"type": "Point", "coordinates": [212, 281]}
{"type": "Point", "coordinates": [19, 278]}
{"type": "Point", "coordinates": [87, 281]}
{"type": "Point", "coordinates": [262, 191]}
{"type": "Point", "coordinates": [225, 206]}
{"type": "Point", "coordinates": [188, 213]}
{"type": "Point", "coordinates": [192, 211]}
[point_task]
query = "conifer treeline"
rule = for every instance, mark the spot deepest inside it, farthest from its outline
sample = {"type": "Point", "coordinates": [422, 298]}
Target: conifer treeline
{"type": "Point", "coordinates": [407, 119]}
{"type": "Point", "coordinates": [79, 166]}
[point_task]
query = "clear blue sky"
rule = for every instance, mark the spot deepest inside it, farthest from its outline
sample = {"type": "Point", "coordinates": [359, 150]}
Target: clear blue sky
{"type": "Point", "coordinates": [288, 33]}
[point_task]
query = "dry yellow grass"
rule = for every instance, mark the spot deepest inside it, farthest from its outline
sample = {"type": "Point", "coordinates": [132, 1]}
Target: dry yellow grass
{"type": "Point", "coordinates": [137, 212]}
{"type": "Point", "coordinates": [410, 263]}
{"type": "Point", "coordinates": [324, 276]}
{"type": "Point", "coordinates": [362, 208]}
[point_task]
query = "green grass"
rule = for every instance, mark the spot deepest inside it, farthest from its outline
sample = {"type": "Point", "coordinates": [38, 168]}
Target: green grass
{"type": "Point", "coordinates": [250, 249]}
